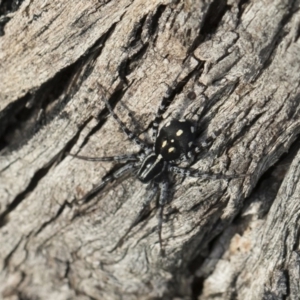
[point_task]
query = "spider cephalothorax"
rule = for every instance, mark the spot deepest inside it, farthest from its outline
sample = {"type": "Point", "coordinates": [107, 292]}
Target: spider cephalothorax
{"type": "Point", "coordinates": [153, 164]}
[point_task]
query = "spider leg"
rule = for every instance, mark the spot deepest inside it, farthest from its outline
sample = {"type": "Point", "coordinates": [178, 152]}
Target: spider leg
{"type": "Point", "coordinates": [115, 175]}
{"type": "Point", "coordinates": [199, 174]}
{"type": "Point", "coordinates": [120, 158]}
{"type": "Point", "coordinates": [158, 117]}
{"type": "Point", "coordinates": [164, 188]}
{"type": "Point", "coordinates": [127, 131]}
{"type": "Point", "coordinates": [204, 143]}
{"type": "Point", "coordinates": [200, 146]}
{"type": "Point", "coordinates": [146, 202]}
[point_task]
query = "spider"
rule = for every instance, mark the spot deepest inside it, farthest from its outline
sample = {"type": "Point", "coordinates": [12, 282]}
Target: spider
{"type": "Point", "coordinates": [156, 161]}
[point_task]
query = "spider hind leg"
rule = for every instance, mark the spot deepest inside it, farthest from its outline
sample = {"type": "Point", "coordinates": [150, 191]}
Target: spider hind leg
{"type": "Point", "coordinates": [150, 195]}
{"type": "Point", "coordinates": [191, 172]}
{"type": "Point", "coordinates": [128, 167]}
{"type": "Point", "coordinates": [163, 198]}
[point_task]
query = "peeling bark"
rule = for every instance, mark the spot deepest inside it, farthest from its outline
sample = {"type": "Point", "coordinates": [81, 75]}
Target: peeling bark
{"type": "Point", "coordinates": [232, 68]}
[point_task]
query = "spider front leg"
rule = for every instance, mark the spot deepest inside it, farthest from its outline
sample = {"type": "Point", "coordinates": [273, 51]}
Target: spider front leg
{"type": "Point", "coordinates": [126, 130]}
{"type": "Point", "coordinates": [160, 111]}
{"type": "Point", "coordinates": [119, 158]}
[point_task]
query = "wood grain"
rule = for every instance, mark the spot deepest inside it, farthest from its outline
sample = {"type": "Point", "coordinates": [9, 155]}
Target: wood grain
{"type": "Point", "coordinates": [231, 66]}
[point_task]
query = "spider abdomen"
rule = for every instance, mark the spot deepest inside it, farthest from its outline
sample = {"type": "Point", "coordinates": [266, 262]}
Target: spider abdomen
{"type": "Point", "coordinates": [174, 139]}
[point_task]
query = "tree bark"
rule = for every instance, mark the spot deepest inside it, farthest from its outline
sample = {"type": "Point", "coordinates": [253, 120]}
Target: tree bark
{"type": "Point", "coordinates": [231, 67]}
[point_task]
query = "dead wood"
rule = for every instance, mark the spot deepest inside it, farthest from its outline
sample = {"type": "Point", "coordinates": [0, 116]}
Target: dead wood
{"type": "Point", "coordinates": [231, 66]}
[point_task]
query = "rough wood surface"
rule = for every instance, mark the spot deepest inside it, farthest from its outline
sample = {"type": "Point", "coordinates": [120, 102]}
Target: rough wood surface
{"type": "Point", "coordinates": [233, 68]}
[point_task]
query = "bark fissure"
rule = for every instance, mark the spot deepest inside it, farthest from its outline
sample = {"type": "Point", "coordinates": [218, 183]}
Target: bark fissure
{"type": "Point", "coordinates": [4, 217]}
{"type": "Point", "coordinates": [54, 218]}
{"type": "Point", "coordinates": [8, 257]}
{"type": "Point", "coordinates": [231, 67]}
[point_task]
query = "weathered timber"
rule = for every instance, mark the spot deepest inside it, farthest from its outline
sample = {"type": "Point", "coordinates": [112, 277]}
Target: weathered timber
{"type": "Point", "coordinates": [232, 67]}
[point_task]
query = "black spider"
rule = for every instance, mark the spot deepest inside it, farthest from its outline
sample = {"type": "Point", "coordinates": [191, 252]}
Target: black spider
{"type": "Point", "coordinates": [172, 144]}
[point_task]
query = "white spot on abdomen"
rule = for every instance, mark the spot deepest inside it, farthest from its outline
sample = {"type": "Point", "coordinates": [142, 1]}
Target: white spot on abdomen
{"type": "Point", "coordinates": [179, 132]}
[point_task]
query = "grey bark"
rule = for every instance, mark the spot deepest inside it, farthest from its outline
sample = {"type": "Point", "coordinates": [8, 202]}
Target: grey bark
{"type": "Point", "coordinates": [232, 67]}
